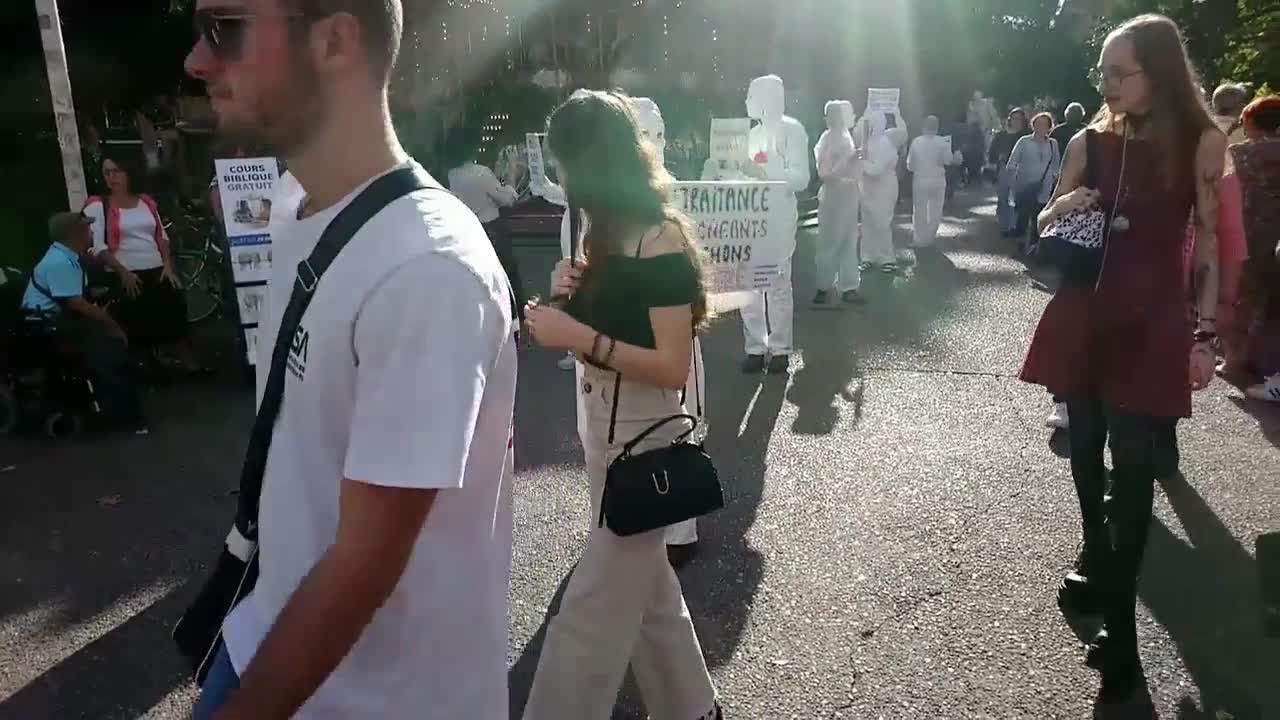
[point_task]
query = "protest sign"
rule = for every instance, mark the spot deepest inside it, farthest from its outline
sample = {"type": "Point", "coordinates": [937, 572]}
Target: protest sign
{"type": "Point", "coordinates": [729, 143]}
{"type": "Point", "coordinates": [247, 187]}
{"type": "Point", "coordinates": [884, 100]}
{"type": "Point", "coordinates": [744, 229]}
{"type": "Point", "coordinates": [537, 165]}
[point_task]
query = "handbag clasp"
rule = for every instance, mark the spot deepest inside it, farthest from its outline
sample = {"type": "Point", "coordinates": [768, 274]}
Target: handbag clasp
{"type": "Point", "coordinates": [664, 486]}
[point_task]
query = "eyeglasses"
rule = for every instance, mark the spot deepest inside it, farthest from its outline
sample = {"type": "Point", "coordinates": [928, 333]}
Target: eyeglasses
{"type": "Point", "coordinates": [1102, 78]}
{"type": "Point", "coordinates": [224, 31]}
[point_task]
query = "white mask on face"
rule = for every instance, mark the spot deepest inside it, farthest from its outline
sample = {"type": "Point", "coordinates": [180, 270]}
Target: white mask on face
{"type": "Point", "coordinates": [766, 99]}
{"type": "Point", "coordinates": [649, 117]}
{"type": "Point", "coordinates": [839, 115]}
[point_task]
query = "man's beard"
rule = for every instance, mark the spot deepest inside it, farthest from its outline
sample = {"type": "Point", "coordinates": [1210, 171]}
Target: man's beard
{"type": "Point", "coordinates": [285, 121]}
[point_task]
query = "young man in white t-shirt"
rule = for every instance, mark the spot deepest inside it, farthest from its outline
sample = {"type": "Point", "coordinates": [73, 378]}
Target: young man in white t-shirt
{"type": "Point", "coordinates": [385, 519]}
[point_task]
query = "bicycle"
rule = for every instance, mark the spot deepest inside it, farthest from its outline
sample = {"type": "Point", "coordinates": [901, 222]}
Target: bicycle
{"type": "Point", "coordinates": [200, 260]}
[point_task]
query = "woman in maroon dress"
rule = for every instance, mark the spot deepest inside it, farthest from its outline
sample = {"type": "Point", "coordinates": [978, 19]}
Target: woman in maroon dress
{"type": "Point", "coordinates": [1124, 352]}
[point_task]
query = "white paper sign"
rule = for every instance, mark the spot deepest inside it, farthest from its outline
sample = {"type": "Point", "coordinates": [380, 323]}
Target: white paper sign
{"type": "Point", "coordinates": [728, 139]}
{"type": "Point", "coordinates": [252, 300]}
{"type": "Point", "coordinates": [251, 341]}
{"type": "Point", "coordinates": [743, 228]}
{"type": "Point", "coordinates": [537, 166]}
{"type": "Point", "coordinates": [883, 100]}
{"type": "Point", "coordinates": [247, 187]}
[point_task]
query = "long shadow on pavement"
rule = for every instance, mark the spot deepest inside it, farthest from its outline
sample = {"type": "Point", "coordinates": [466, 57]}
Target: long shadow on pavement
{"type": "Point", "coordinates": [95, 528]}
{"type": "Point", "coordinates": [1267, 414]}
{"type": "Point", "coordinates": [1204, 591]}
{"type": "Point", "coordinates": [119, 676]}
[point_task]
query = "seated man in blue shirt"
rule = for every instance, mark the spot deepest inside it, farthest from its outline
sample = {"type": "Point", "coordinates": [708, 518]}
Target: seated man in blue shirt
{"type": "Point", "coordinates": [56, 294]}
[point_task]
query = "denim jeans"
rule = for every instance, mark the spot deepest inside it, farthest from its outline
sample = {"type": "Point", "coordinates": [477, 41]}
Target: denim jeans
{"type": "Point", "coordinates": [218, 686]}
{"type": "Point", "coordinates": [1005, 214]}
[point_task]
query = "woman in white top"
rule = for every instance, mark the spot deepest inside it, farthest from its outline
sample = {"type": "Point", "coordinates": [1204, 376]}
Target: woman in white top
{"type": "Point", "coordinates": [479, 189]}
{"type": "Point", "coordinates": [927, 160]}
{"type": "Point", "coordinates": [129, 239]}
{"type": "Point", "coordinates": [1034, 166]}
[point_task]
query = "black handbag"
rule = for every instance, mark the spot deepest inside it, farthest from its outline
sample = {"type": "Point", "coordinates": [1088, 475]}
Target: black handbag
{"type": "Point", "coordinates": [1074, 242]}
{"type": "Point", "coordinates": [198, 633]}
{"type": "Point", "coordinates": [660, 487]}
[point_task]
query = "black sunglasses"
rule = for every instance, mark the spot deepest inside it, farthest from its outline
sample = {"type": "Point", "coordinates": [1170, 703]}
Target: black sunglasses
{"type": "Point", "coordinates": [224, 31]}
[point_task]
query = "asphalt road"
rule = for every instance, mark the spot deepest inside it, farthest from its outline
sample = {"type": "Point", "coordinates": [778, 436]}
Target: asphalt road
{"type": "Point", "coordinates": [897, 521]}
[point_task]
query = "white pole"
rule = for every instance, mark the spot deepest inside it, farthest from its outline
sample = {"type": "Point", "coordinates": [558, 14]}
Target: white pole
{"type": "Point", "coordinates": [64, 108]}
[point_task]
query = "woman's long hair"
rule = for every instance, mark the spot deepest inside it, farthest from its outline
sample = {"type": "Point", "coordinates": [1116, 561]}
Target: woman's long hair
{"type": "Point", "coordinates": [1177, 114]}
{"type": "Point", "coordinates": [613, 177]}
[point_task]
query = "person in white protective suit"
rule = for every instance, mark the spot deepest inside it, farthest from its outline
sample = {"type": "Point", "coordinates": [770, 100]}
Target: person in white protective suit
{"type": "Point", "coordinates": [927, 159]}
{"type": "Point", "coordinates": [880, 190]}
{"type": "Point", "coordinates": [779, 149]}
{"type": "Point", "coordinates": [839, 169]}
{"type": "Point", "coordinates": [982, 112]}
{"type": "Point", "coordinates": [681, 538]}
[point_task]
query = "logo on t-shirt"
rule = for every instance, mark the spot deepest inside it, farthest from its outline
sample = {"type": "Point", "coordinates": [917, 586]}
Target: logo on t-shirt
{"type": "Point", "coordinates": [298, 352]}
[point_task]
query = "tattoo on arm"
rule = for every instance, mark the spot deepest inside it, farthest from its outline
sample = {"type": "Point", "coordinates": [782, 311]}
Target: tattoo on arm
{"type": "Point", "coordinates": [1206, 250]}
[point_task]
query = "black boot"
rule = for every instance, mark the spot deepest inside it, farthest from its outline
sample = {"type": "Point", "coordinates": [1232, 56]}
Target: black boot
{"type": "Point", "coordinates": [1116, 658]}
{"type": "Point", "coordinates": [1081, 589]}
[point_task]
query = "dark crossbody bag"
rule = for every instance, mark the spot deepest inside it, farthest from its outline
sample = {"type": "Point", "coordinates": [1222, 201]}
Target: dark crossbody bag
{"type": "Point", "coordinates": [198, 633]}
{"type": "Point", "coordinates": [660, 487]}
{"type": "Point", "coordinates": [1074, 242]}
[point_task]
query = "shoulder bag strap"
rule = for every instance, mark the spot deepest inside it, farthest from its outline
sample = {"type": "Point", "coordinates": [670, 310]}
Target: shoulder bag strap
{"type": "Point", "coordinates": [1048, 163]}
{"type": "Point", "coordinates": [45, 291]}
{"type": "Point", "coordinates": [341, 229]}
{"type": "Point", "coordinates": [1090, 159]}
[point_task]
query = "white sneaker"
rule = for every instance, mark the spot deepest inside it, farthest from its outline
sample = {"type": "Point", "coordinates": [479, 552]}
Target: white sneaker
{"type": "Point", "coordinates": [1057, 419]}
{"type": "Point", "coordinates": [1267, 391]}
{"type": "Point", "coordinates": [568, 362]}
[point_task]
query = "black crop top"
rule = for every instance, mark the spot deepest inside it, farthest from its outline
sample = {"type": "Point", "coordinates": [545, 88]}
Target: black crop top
{"type": "Point", "coordinates": [618, 304]}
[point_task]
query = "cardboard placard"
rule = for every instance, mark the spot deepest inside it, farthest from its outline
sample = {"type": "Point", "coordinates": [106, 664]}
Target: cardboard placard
{"type": "Point", "coordinates": [744, 228]}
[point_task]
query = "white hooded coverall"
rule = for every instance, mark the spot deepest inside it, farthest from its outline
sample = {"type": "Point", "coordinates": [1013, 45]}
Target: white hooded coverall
{"type": "Point", "coordinates": [838, 200]}
{"type": "Point", "coordinates": [880, 189]}
{"type": "Point", "coordinates": [927, 160]}
{"type": "Point", "coordinates": [780, 147]}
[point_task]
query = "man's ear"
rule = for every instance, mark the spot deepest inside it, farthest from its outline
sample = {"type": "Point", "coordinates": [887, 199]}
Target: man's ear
{"type": "Point", "coordinates": [337, 43]}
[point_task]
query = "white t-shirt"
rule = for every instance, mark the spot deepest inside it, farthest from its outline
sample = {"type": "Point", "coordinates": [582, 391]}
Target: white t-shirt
{"type": "Point", "coordinates": [478, 187]}
{"type": "Point", "coordinates": [138, 249]}
{"type": "Point", "coordinates": [402, 374]}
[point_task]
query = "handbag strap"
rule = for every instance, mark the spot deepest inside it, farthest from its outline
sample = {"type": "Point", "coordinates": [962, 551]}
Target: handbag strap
{"type": "Point", "coordinates": [1048, 163]}
{"type": "Point", "coordinates": [633, 442]}
{"type": "Point", "coordinates": [380, 193]}
{"type": "Point", "coordinates": [1090, 159]}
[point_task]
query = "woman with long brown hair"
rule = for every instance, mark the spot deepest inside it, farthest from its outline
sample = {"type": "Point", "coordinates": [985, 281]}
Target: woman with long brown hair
{"type": "Point", "coordinates": [634, 299]}
{"type": "Point", "coordinates": [1122, 349]}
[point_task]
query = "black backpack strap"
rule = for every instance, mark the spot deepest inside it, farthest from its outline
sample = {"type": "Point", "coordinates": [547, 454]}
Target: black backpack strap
{"type": "Point", "coordinates": [341, 229]}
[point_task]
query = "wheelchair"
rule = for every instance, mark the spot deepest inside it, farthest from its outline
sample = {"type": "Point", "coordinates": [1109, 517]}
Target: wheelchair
{"type": "Point", "coordinates": [41, 385]}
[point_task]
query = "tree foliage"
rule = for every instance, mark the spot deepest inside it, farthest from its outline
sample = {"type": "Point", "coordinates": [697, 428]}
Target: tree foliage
{"type": "Point", "coordinates": [1228, 40]}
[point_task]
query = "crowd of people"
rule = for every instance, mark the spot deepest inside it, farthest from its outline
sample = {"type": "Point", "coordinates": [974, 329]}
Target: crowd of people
{"type": "Point", "coordinates": [376, 498]}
